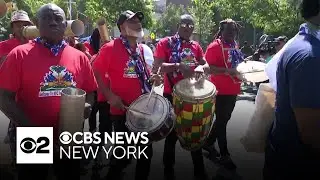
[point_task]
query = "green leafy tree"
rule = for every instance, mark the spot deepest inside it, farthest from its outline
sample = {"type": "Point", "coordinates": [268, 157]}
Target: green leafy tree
{"type": "Point", "coordinates": [111, 9]}
{"type": "Point", "coordinates": [273, 16]}
{"type": "Point", "coordinates": [203, 13]}
{"type": "Point", "coordinates": [167, 23]}
{"type": "Point", "coordinates": [5, 27]}
{"type": "Point", "coordinates": [31, 6]}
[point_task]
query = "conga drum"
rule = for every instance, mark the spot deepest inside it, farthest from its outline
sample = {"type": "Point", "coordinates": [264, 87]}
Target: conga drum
{"type": "Point", "coordinates": [152, 114]}
{"type": "Point", "coordinates": [194, 105]}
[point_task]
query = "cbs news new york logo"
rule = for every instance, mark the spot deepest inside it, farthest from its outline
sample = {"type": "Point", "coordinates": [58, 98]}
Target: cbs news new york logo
{"type": "Point", "coordinates": [34, 145]}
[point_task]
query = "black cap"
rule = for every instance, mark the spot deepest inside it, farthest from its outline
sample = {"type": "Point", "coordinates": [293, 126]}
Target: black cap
{"type": "Point", "coordinates": [128, 15]}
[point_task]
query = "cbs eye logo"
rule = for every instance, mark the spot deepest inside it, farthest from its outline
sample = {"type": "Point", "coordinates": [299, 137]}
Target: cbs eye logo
{"type": "Point", "coordinates": [29, 145]}
{"type": "Point", "coordinates": [65, 137]}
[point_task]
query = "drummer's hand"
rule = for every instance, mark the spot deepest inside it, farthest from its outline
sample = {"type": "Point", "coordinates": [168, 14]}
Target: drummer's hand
{"type": "Point", "coordinates": [156, 79]}
{"type": "Point", "coordinates": [199, 72]}
{"type": "Point", "coordinates": [233, 72]}
{"type": "Point", "coordinates": [186, 70]}
{"type": "Point", "coordinates": [115, 101]}
{"type": "Point", "coordinates": [87, 110]}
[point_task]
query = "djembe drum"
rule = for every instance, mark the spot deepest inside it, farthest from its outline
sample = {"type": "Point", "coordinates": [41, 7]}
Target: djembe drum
{"type": "Point", "coordinates": [194, 105]}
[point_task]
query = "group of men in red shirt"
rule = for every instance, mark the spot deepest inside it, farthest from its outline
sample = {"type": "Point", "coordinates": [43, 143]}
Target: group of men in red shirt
{"type": "Point", "coordinates": [121, 73]}
{"type": "Point", "coordinates": [220, 61]}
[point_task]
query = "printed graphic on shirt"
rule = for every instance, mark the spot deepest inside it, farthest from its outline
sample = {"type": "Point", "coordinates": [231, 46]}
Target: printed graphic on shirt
{"type": "Point", "coordinates": [187, 57]}
{"type": "Point", "coordinates": [57, 79]}
{"type": "Point", "coordinates": [129, 71]}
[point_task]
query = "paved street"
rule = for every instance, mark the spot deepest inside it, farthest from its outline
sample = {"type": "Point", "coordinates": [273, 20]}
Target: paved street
{"type": "Point", "coordinates": [249, 164]}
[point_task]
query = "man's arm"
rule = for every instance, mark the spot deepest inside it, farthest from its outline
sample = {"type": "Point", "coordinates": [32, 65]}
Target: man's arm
{"type": "Point", "coordinates": [304, 88]}
{"type": "Point", "coordinates": [101, 67]}
{"type": "Point", "coordinates": [10, 79]}
{"type": "Point", "coordinates": [106, 91]}
{"type": "Point", "coordinates": [11, 109]}
{"type": "Point", "coordinates": [165, 67]}
{"type": "Point", "coordinates": [89, 85]}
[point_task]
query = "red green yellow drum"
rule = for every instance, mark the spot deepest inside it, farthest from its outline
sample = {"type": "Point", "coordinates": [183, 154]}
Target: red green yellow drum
{"type": "Point", "coordinates": [194, 105]}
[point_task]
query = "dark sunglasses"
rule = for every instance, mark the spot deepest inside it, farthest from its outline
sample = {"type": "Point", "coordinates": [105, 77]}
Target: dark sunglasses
{"type": "Point", "coordinates": [184, 25]}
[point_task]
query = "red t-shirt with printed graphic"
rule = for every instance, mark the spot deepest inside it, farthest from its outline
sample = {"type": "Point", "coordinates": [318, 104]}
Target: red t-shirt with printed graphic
{"type": "Point", "coordinates": [224, 83]}
{"type": "Point", "coordinates": [114, 61]}
{"type": "Point", "coordinates": [191, 53]}
{"type": "Point", "coordinates": [37, 77]}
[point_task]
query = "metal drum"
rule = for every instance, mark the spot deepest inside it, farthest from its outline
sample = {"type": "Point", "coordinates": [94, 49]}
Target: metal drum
{"type": "Point", "coordinates": [154, 116]}
{"type": "Point", "coordinates": [72, 107]}
{"type": "Point", "coordinates": [194, 105]}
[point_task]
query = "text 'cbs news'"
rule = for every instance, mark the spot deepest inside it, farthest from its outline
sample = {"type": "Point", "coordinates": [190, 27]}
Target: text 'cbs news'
{"type": "Point", "coordinates": [36, 145]}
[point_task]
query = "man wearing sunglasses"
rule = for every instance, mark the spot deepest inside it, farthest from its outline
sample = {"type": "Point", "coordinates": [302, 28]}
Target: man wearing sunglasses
{"type": "Point", "coordinates": [178, 56]}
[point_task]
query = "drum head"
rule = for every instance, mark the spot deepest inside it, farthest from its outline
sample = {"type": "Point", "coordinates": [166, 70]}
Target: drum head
{"type": "Point", "coordinates": [190, 88]}
{"type": "Point", "coordinates": [158, 108]}
{"type": "Point", "coordinates": [253, 71]}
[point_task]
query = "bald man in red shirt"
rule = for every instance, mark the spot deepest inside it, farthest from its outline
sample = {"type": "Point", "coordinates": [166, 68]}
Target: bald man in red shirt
{"type": "Point", "coordinates": [31, 80]}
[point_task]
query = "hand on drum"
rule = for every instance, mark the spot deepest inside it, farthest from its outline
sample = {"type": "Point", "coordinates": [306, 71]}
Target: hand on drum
{"type": "Point", "coordinates": [115, 101]}
{"type": "Point", "coordinates": [233, 72]}
{"type": "Point", "coordinates": [201, 70]}
{"type": "Point", "coordinates": [186, 70]}
{"type": "Point", "coordinates": [156, 79]}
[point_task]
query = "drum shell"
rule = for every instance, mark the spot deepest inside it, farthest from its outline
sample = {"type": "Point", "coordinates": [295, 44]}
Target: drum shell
{"type": "Point", "coordinates": [3, 8]}
{"type": "Point", "coordinates": [74, 28]}
{"type": "Point", "coordinates": [193, 133]}
{"type": "Point", "coordinates": [30, 32]}
{"type": "Point", "coordinates": [72, 106]}
{"type": "Point", "coordinates": [255, 136]}
{"type": "Point", "coordinates": [163, 129]}
{"type": "Point", "coordinates": [104, 34]}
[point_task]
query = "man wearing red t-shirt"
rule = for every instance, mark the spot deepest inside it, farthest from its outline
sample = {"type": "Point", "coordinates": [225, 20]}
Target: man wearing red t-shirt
{"type": "Point", "coordinates": [122, 62]}
{"type": "Point", "coordinates": [18, 20]}
{"type": "Point", "coordinates": [178, 56]}
{"type": "Point", "coordinates": [31, 80]}
{"type": "Point", "coordinates": [223, 56]}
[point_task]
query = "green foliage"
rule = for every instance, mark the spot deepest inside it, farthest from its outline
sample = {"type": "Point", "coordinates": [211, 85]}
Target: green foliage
{"type": "Point", "coordinates": [203, 12]}
{"type": "Point", "coordinates": [92, 10]}
{"type": "Point", "coordinates": [273, 16]}
{"type": "Point", "coordinates": [5, 27]}
{"type": "Point", "coordinates": [111, 9]}
{"type": "Point", "coordinates": [167, 23]}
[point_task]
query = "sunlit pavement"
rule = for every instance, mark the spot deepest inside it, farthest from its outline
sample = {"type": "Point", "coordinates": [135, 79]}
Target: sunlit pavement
{"type": "Point", "coordinates": [249, 164]}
